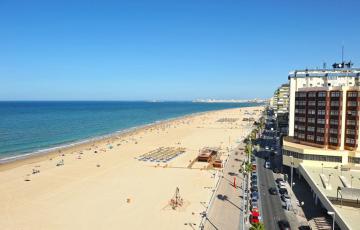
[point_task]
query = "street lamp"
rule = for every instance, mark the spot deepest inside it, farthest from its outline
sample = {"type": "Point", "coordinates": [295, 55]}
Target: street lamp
{"type": "Point", "coordinates": [329, 178]}
{"type": "Point", "coordinates": [322, 168]}
{"type": "Point", "coordinates": [333, 216]}
{"type": "Point", "coordinates": [351, 178]}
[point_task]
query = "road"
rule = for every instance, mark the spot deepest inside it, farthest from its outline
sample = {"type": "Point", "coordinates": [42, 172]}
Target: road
{"type": "Point", "coordinates": [270, 205]}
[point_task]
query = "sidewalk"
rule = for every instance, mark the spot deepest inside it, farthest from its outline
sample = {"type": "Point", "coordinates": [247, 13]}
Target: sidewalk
{"type": "Point", "coordinates": [295, 215]}
{"type": "Point", "coordinates": [224, 212]}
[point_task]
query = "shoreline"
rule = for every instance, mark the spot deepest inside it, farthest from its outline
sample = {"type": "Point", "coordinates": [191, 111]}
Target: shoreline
{"type": "Point", "coordinates": [108, 183]}
{"type": "Point", "coordinates": [42, 154]}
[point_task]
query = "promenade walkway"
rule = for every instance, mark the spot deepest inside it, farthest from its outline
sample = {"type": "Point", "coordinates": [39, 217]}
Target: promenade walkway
{"type": "Point", "coordinates": [224, 212]}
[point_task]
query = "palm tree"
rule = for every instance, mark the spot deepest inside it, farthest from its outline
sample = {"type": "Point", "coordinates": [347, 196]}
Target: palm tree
{"type": "Point", "coordinates": [257, 226]}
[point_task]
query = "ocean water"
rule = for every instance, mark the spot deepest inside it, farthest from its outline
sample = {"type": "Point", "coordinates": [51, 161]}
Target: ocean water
{"type": "Point", "coordinates": [28, 127]}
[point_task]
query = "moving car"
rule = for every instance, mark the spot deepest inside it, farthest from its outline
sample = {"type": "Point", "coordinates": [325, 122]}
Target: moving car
{"type": "Point", "coordinates": [284, 225]}
{"type": "Point", "coordinates": [272, 191]}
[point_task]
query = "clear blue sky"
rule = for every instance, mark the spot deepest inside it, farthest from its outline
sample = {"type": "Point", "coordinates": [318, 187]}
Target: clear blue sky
{"type": "Point", "coordinates": [167, 50]}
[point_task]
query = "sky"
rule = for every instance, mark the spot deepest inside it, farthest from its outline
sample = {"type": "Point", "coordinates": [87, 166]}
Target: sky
{"type": "Point", "coordinates": [167, 50]}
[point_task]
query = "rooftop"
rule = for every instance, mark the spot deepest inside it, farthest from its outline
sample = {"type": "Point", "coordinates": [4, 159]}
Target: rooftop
{"type": "Point", "coordinates": [328, 180]}
{"type": "Point", "coordinates": [345, 72]}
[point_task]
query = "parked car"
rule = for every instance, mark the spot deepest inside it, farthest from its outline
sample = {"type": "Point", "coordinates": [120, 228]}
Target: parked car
{"type": "Point", "coordinates": [254, 217]}
{"type": "Point", "coordinates": [276, 170]}
{"type": "Point", "coordinates": [254, 177]}
{"type": "Point", "coordinates": [272, 191]}
{"type": "Point", "coordinates": [284, 225]}
{"type": "Point", "coordinates": [254, 189]}
{"type": "Point", "coordinates": [282, 186]}
{"type": "Point", "coordinates": [267, 164]}
{"type": "Point", "coordinates": [255, 194]}
{"type": "Point", "coordinates": [282, 183]}
{"type": "Point", "coordinates": [254, 205]}
{"type": "Point", "coordinates": [285, 197]}
{"type": "Point", "coordinates": [283, 191]}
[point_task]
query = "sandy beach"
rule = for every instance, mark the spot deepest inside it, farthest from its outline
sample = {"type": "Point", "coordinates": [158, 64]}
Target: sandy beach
{"type": "Point", "coordinates": [107, 184]}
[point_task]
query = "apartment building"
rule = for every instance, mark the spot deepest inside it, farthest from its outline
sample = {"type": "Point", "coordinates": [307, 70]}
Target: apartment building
{"type": "Point", "coordinates": [280, 106]}
{"type": "Point", "coordinates": [324, 107]}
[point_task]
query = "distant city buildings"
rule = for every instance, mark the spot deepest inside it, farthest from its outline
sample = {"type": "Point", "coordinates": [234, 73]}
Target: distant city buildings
{"type": "Point", "coordinates": [256, 100]}
{"type": "Point", "coordinates": [280, 105]}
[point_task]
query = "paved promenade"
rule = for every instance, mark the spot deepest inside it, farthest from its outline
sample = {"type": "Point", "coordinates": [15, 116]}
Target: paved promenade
{"type": "Point", "coordinates": [224, 212]}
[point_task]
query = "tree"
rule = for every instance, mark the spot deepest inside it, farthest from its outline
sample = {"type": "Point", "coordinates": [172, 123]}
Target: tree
{"type": "Point", "coordinates": [257, 226]}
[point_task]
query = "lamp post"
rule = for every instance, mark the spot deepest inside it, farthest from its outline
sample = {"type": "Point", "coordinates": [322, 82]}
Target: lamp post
{"type": "Point", "coordinates": [333, 216]}
{"type": "Point", "coordinates": [351, 178]}
{"type": "Point", "coordinates": [322, 168]}
{"type": "Point", "coordinates": [329, 178]}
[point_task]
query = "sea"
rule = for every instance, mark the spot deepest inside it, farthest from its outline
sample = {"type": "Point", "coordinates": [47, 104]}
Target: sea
{"type": "Point", "coordinates": [34, 127]}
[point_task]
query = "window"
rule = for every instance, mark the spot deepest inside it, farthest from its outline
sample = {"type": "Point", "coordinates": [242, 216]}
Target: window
{"type": "Point", "coordinates": [301, 136]}
{"type": "Point", "coordinates": [355, 160]}
{"type": "Point", "coordinates": [321, 103]}
{"type": "Point", "coordinates": [321, 121]}
{"type": "Point", "coordinates": [310, 128]}
{"type": "Point", "coordinates": [322, 94]}
{"type": "Point", "coordinates": [302, 128]}
{"type": "Point", "coordinates": [310, 137]}
{"type": "Point", "coordinates": [350, 131]}
{"type": "Point", "coordinates": [311, 111]}
{"type": "Point", "coordinates": [352, 112]}
{"type": "Point", "coordinates": [352, 103]}
{"type": "Point", "coordinates": [315, 157]}
{"type": "Point", "coordinates": [333, 131]}
{"type": "Point", "coordinates": [334, 103]}
{"type": "Point", "coordinates": [321, 112]}
{"type": "Point", "coordinates": [334, 122]}
{"type": "Point", "coordinates": [335, 94]}
{"type": "Point", "coordinates": [351, 122]}
{"type": "Point", "coordinates": [334, 112]}
{"type": "Point", "coordinates": [320, 130]}
{"type": "Point", "coordinates": [350, 141]}
{"type": "Point", "coordinates": [320, 139]}
{"type": "Point", "coordinates": [333, 140]}
{"type": "Point", "coordinates": [312, 103]}
{"type": "Point", "coordinates": [300, 94]}
{"type": "Point", "coordinates": [311, 120]}
{"type": "Point", "coordinates": [352, 94]}
{"type": "Point", "coordinates": [312, 94]}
